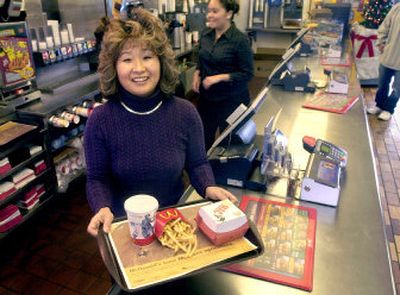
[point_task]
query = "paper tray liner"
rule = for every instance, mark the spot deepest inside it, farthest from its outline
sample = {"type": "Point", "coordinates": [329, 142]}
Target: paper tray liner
{"type": "Point", "coordinates": [10, 131]}
{"type": "Point", "coordinates": [121, 243]}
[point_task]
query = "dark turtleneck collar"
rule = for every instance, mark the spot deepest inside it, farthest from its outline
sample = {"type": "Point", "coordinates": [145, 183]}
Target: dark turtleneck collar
{"type": "Point", "coordinates": [140, 104]}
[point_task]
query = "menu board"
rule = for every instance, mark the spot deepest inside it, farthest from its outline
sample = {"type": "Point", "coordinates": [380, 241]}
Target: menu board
{"type": "Point", "coordinates": [15, 60]}
{"type": "Point", "coordinates": [330, 102]}
{"type": "Point", "coordinates": [288, 233]}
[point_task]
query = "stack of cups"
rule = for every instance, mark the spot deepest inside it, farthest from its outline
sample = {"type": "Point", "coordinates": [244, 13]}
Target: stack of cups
{"type": "Point", "coordinates": [141, 214]}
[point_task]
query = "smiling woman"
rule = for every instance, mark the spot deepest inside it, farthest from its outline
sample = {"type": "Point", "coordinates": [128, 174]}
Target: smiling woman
{"type": "Point", "coordinates": [143, 138]}
{"type": "Point", "coordinates": [138, 69]}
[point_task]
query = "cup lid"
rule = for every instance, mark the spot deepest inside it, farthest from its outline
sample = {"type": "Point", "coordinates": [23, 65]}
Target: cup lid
{"type": "Point", "coordinates": [141, 204]}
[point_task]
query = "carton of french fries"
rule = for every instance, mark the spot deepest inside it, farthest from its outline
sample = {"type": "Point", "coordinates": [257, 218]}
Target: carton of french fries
{"type": "Point", "coordinates": [173, 231]}
{"type": "Point", "coordinates": [222, 222]}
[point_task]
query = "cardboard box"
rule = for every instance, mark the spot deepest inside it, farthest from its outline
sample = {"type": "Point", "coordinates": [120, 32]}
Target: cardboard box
{"type": "Point", "coordinates": [222, 222]}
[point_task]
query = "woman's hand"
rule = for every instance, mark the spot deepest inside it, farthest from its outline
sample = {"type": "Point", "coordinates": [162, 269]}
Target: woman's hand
{"type": "Point", "coordinates": [196, 81]}
{"type": "Point", "coordinates": [211, 80]}
{"type": "Point", "coordinates": [218, 193]}
{"type": "Point", "coordinates": [103, 217]}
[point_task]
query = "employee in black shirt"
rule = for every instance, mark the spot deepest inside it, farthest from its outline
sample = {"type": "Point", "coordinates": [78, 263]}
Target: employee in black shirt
{"type": "Point", "coordinates": [224, 68]}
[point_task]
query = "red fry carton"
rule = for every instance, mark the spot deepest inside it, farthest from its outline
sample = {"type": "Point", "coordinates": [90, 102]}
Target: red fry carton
{"type": "Point", "coordinates": [222, 222]}
{"type": "Point", "coordinates": [165, 216]}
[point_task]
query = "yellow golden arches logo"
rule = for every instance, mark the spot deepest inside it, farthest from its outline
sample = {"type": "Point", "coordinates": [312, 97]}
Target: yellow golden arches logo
{"type": "Point", "coordinates": [168, 214]}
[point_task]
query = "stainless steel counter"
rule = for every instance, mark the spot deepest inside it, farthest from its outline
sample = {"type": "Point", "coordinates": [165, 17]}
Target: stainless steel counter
{"type": "Point", "coordinates": [351, 254]}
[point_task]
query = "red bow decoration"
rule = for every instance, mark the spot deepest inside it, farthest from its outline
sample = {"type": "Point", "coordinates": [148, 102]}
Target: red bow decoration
{"type": "Point", "coordinates": [366, 43]}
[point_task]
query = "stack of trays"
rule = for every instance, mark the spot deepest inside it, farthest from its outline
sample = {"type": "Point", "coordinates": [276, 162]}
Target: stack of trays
{"type": "Point", "coordinates": [40, 167]}
{"type": "Point", "coordinates": [24, 176]}
{"type": "Point", "coordinates": [10, 216]}
{"type": "Point", "coordinates": [32, 197]}
{"type": "Point", "coordinates": [34, 149]}
{"type": "Point", "coordinates": [6, 189]}
{"type": "Point", "coordinates": [5, 166]}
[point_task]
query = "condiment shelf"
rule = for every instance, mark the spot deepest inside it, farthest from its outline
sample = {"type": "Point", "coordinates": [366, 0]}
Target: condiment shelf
{"type": "Point", "coordinates": [60, 53]}
{"type": "Point", "coordinates": [66, 144]}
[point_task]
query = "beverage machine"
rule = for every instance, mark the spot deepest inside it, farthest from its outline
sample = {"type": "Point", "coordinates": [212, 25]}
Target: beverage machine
{"type": "Point", "coordinates": [275, 14]}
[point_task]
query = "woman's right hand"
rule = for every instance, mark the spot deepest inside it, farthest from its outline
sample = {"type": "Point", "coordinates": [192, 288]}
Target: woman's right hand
{"type": "Point", "coordinates": [103, 217]}
{"type": "Point", "coordinates": [196, 81]}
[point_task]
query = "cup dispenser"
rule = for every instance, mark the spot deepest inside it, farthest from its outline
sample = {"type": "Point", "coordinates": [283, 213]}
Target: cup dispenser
{"type": "Point", "coordinates": [292, 14]}
{"type": "Point", "coordinates": [264, 14]}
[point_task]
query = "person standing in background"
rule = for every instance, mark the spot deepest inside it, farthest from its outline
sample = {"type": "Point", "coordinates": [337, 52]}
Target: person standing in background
{"type": "Point", "coordinates": [142, 139]}
{"type": "Point", "coordinates": [224, 68]}
{"type": "Point", "coordinates": [388, 44]}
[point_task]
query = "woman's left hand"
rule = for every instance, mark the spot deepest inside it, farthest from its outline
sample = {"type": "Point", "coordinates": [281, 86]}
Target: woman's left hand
{"type": "Point", "coordinates": [209, 81]}
{"type": "Point", "coordinates": [218, 193]}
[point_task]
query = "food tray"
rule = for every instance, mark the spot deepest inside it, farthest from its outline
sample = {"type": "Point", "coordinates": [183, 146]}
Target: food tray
{"type": "Point", "coordinates": [134, 272]}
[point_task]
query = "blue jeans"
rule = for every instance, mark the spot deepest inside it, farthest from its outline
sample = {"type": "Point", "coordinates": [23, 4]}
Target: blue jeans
{"type": "Point", "coordinates": [383, 100]}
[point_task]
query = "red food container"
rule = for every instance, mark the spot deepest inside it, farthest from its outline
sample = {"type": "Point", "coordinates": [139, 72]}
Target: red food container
{"type": "Point", "coordinates": [222, 222]}
{"type": "Point", "coordinates": [165, 216]}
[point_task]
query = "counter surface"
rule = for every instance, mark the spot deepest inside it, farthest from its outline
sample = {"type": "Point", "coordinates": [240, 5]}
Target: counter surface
{"type": "Point", "coordinates": [351, 253]}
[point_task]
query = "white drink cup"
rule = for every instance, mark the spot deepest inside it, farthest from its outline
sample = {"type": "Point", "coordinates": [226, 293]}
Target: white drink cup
{"type": "Point", "coordinates": [141, 214]}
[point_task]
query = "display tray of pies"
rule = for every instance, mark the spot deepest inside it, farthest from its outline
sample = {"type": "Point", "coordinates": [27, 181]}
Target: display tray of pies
{"type": "Point", "coordinates": [184, 249]}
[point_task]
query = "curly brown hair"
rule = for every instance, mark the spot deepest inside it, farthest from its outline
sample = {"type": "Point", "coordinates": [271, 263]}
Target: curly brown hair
{"type": "Point", "coordinates": [143, 28]}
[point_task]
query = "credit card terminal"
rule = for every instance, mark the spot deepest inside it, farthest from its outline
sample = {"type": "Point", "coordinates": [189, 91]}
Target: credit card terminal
{"type": "Point", "coordinates": [326, 149]}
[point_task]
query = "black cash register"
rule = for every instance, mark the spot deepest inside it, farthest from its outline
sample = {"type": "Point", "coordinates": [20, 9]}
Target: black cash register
{"type": "Point", "coordinates": [234, 158]}
{"type": "Point", "coordinates": [305, 48]}
{"type": "Point", "coordinates": [284, 75]}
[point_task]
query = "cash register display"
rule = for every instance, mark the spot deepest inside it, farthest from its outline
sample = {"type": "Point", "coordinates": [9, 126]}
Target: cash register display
{"type": "Point", "coordinates": [299, 36]}
{"type": "Point", "coordinates": [328, 173]}
{"type": "Point", "coordinates": [325, 149]}
{"type": "Point", "coordinates": [241, 121]}
{"type": "Point", "coordinates": [286, 58]}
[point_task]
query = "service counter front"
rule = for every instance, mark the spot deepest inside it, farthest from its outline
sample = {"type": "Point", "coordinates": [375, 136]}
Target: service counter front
{"type": "Point", "coordinates": [351, 251]}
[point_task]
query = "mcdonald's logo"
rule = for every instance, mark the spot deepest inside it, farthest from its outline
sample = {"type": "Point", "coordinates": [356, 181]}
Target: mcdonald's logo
{"type": "Point", "coordinates": [169, 214]}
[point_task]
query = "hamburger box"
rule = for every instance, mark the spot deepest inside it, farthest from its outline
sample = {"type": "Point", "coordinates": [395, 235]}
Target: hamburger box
{"type": "Point", "coordinates": [222, 222]}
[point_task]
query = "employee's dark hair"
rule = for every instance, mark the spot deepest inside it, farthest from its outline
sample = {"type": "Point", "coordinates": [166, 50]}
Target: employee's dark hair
{"type": "Point", "coordinates": [101, 28]}
{"type": "Point", "coordinates": [143, 29]}
{"type": "Point", "coordinates": [230, 5]}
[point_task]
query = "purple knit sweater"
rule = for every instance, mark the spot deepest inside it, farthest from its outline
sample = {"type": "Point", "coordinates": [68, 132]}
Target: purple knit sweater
{"type": "Point", "coordinates": [128, 154]}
